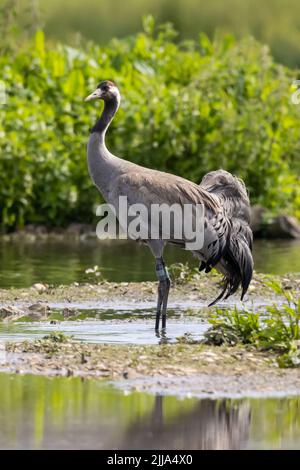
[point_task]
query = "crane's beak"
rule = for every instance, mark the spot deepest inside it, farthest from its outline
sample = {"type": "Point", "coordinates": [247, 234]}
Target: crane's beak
{"type": "Point", "coordinates": [94, 96]}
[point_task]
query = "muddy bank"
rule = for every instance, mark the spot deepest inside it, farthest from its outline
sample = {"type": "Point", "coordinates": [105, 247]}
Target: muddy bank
{"type": "Point", "coordinates": [179, 368]}
{"type": "Point", "coordinates": [211, 385]}
{"type": "Point", "coordinates": [36, 302]}
{"type": "Point", "coordinates": [263, 223]}
{"type": "Point", "coordinates": [281, 226]}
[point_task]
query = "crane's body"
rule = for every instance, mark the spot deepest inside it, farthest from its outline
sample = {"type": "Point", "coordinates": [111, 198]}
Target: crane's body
{"type": "Point", "coordinates": [227, 235]}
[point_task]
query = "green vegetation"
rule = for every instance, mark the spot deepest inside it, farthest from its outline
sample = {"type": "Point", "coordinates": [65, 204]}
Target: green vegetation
{"type": "Point", "coordinates": [56, 337]}
{"type": "Point", "coordinates": [19, 20]}
{"type": "Point", "coordinates": [277, 330]}
{"type": "Point", "coordinates": [187, 108]}
{"type": "Point", "coordinates": [274, 22]}
{"type": "Point", "coordinates": [182, 273]}
{"type": "Point", "coordinates": [50, 343]}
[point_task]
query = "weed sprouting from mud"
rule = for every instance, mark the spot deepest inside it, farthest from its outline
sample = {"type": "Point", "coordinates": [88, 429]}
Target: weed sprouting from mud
{"type": "Point", "coordinates": [277, 330]}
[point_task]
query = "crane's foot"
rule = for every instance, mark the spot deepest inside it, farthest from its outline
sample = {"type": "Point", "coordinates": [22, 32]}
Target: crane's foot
{"type": "Point", "coordinates": [163, 293]}
{"type": "Point", "coordinates": [162, 335]}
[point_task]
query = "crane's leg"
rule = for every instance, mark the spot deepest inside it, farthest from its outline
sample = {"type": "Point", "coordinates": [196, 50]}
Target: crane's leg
{"type": "Point", "coordinates": [163, 292]}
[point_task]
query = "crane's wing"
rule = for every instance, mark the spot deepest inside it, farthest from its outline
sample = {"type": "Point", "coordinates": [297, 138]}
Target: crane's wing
{"type": "Point", "coordinates": [236, 262]}
{"type": "Point", "coordinates": [227, 234]}
{"type": "Point", "coordinates": [153, 187]}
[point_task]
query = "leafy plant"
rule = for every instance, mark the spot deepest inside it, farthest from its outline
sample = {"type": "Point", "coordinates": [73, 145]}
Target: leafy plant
{"type": "Point", "coordinates": [56, 337]}
{"type": "Point", "coordinates": [187, 108]}
{"type": "Point", "coordinates": [278, 329]}
{"type": "Point", "coordinates": [182, 273]}
{"type": "Point", "coordinates": [232, 327]}
{"type": "Point", "coordinates": [187, 338]}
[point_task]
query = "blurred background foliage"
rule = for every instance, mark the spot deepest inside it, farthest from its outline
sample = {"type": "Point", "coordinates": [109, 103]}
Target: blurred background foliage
{"type": "Point", "coordinates": [274, 22]}
{"type": "Point", "coordinates": [189, 105]}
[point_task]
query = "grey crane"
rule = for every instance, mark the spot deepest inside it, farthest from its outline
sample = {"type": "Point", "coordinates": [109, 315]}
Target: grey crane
{"type": "Point", "coordinates": [227, 235]}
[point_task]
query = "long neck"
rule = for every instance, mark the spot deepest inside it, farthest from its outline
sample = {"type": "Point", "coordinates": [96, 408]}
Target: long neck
{"type": "Point", "coordinates": [110, 109]}
{"type": "Point", "coordinates": [101, 162]}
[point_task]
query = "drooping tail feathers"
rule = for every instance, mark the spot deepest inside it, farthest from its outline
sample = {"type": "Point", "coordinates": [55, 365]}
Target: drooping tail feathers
{"type": "Point", "coordinates": [237, 266]}
{"type": "Point", "coordinates": [231, 191]}
{"type": "Point", "coordinates": [236, 263]}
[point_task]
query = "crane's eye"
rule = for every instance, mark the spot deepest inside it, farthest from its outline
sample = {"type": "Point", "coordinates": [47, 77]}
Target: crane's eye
{"type": "Point", "coordinates": [104, 88]}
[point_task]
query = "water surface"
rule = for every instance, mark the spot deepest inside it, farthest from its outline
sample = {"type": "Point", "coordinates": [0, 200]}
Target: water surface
{"type": "Point", "coordinates": [111, 326]}
{"type": "Point", "coordinates": [70, 413]}
{"type": "Point", "coordinates": [23, 264]}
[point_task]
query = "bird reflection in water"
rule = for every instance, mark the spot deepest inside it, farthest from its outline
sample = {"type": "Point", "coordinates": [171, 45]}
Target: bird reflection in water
{"type": "Point", "coordinates": [210, 424]}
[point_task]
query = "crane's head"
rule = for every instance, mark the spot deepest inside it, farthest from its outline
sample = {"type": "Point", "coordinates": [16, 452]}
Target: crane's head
{"type": "Point", "coordinates": [105, 91]}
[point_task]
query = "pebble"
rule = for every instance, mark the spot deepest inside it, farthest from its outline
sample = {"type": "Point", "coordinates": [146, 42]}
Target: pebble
{"type": "Point", "coordinates": [10, 310]}
{"type": "Point", "coordinates": [40, 287]}
{"type": "Point", "coordinates": [39, 308]}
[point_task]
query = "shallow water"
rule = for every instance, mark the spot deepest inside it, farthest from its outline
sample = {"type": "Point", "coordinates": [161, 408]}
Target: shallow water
{"type": "Point", "coordinates": [71, 413]}
{"type": "Point", "coordinates": [23, 264]}
{"type": "Point", "coordinates": [117, 324]}
{"type": "Point", "coordinates": [111, 326]}
{"type": "Point", "coordinates": [39, 412]}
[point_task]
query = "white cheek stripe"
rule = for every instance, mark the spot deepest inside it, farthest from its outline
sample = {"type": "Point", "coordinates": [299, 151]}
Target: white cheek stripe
{"type": "Point", "coordinates": [115, 91]}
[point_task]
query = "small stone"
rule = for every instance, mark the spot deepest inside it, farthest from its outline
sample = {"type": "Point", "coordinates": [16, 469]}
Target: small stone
{"type": "Point", "coordinates": [40, 287]}
{"type": "Point", "coordinates": [10, 310]}
{"type": "Point", "coordinates": [39, 308]}
{"type": "Point", "coordinates": [83, 359]}
{"type": "Point", "coordinates": [68, 312]}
